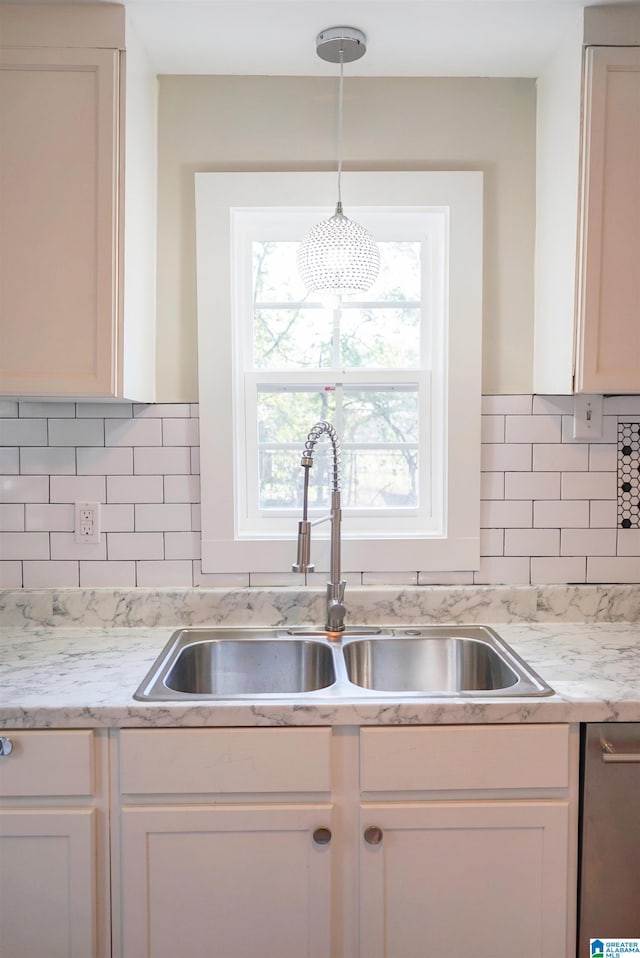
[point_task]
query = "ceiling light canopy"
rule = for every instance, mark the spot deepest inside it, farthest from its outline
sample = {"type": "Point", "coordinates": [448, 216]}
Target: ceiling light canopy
{"type": "Point", "coordinates": [338, 255]}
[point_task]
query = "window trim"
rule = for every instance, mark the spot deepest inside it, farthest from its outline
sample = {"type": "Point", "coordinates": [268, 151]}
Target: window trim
{"type": "Point", "coordinates": [217, 194]}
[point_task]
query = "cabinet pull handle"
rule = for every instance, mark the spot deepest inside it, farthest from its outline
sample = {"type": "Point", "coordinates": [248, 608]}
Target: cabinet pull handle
{"type": "Point", "coordinates": [609, 754]}
{"type": "Point", "coordinates": [6, 746]}
{"type": "Point", "coordinates": [322, 836]}
{"type": "Point", "coordinates": [373, 835]}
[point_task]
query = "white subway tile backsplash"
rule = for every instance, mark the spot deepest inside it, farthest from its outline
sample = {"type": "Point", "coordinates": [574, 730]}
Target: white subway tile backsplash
{"type": "Point", "coordinates": [506, 456]}
{"type": "Point", "coordinates": [99, 461]}
{"type": "Point", "coordinates": [504, 514]}
{"type": "Point", "coordinates": [77, 489]}
{"type": "Point", "coordinates": [135, 545]}
{"type": "Point", "coordinates": [53, 574]}
{"type": "Point", "coordinates": [603, 513]}
{"type": "Point", "coordinates": [64, 546]}
{"type": "Point", "coordinates": [559, 513]}
{"type": "Point", "coordinates": [549, 509]}
{"type": "Point", "coordinates": [133, 432]}
{"type": "Point", "coordinates": [549, 570]}
{"type": "Point", "coordinates": [533, 428]}
{"type": "Point", "coordinates": [11, 517]}
{"type": "Point", "coordinates": [47, 461]}
{"type": "Point", "coordinates": [135, 489]}
{"type": "Point", "coordinates": [180, 432]}
{"type": "Point", "coordinates": [182, 545]}
{"type": "Point", "coordinates": [9, 460]}
{"type": "Point", "coordinates": [158, 517]}
{"type": "Point", "coordinates": [117, 517]}
{"type": "Point", "coordinates": [161, 461]}
{"type": "Point", "coordinates": [45, 517]}
{"type": "Point", "coordinates": [100, 575]}
{"type": "Point", "coordinates": [182, 488]}
{"type": "Point", "coordinates": [47, 410]}
{"type": "Point", "coordinates": [164, 573]}
{"type": "Point", "coordinates": [531, 542]}
{"type": "Point", "coordinates": [589, 485]}
{"type": "Point", "coordinates": [76, 432]}
{"type": "Point", "coordinates": [613, 569]}
{"type": "Point", "coordinates": [24, 488]}
{"type": "Point", "coordinates": [552, 456]}
{"type": "Point", "coordinates": [24, 545]}
{"type": "Point", "coordinates": [10, 574]}
{"type": "Point", "coordinates": [23, 432]}
{"type": "Point", "coordinates": [532, 485]}
{"type": "Point", "coordinates": [588, 542]}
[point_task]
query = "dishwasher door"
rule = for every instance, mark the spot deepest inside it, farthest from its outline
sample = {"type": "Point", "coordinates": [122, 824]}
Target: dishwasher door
{"type": "Point", "coordinates": [610, 834]}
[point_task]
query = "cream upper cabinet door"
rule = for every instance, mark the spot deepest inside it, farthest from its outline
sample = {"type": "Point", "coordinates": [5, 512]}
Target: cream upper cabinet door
{"type": "Point", "coordinates": [228, 881]}
{"type": "Point", "coordinates": [608, 348]}
{"type": "Point", "coordinates": [59, 323]}
{"type": "Point", "coordinates": [455, 879]}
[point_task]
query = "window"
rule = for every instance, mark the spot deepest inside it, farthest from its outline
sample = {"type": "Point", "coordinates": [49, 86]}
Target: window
{"type": "Point", "coordinates": [391, 369]}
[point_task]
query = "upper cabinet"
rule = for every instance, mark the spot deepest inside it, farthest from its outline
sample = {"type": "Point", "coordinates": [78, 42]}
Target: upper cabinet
{"type": "Point", "coordinates": [587, 324]}
{"type": "Point", "coordinates": [608, 299]}
{"type": "Point", "coordinates": [77, 242]}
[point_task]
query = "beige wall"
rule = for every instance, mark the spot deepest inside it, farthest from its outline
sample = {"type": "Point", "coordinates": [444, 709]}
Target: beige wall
{"type": "Point", "coordinates": [288, 123]}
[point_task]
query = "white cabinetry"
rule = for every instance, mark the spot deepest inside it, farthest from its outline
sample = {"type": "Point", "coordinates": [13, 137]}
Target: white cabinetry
{"type": "Point", "coordinates": [467, 843]}
{"type": "Point", "coordinates": [452, 840]}
{"type": "Point", "coordinates": [225, 840]}
{"type": "Point", "coordinates": [588, 190]}
{"type": "Point", "coordinates": [53, 846]}
{"type": "Point", "coordinates": [66, 328]}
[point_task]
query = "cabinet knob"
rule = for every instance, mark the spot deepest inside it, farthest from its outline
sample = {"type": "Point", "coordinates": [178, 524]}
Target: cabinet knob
{"type": "Point", "coordinates": [6, 746]}
{"type": "Point", "coordinates": [373, 835]}
{"type": "Point", "coordinates": [322, 836]}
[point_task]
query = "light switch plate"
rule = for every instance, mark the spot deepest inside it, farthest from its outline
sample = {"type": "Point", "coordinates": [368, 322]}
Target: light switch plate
{"type": "Point", "coordinates": [587, 417]}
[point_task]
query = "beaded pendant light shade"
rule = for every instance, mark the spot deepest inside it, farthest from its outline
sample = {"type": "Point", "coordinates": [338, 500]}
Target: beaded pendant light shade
{"type": "Point", "coordinates": [338, 255]}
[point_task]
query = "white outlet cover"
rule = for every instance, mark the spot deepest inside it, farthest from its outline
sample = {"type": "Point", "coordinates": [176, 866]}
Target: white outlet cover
{"type": "Point", "coordinates": [87, 523]}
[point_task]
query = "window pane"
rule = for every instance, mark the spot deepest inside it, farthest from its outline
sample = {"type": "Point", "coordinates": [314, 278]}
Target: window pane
{"type": "Point", "coordinates": [379, 478]}
{"type": "Point", "coordinates": [380, 416]}
{"type": "Point", "coordinates": [287, 415]}
{"type": "Point", "coordinates": [400, 273]}
{"type": "Point", "coordinates": [380, 338]}
{"type": "Point", "coordinates": [275, 273]}
{"type": "Point", "coordinates": [282, 478]}
{"type": "Point", "coordinates": [292, 338]}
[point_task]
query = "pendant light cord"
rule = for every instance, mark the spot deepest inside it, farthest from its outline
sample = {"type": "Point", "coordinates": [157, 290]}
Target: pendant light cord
{"type": "Point", "coordinates": [340, 96]}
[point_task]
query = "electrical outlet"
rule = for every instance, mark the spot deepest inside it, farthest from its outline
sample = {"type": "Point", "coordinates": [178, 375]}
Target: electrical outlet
{"type": "Point", "coordinates": [87, 522]}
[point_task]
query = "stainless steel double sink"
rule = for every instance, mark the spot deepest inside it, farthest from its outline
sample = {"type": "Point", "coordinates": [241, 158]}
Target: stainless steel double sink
{"type": "Point", "coordinates": [398, 663]}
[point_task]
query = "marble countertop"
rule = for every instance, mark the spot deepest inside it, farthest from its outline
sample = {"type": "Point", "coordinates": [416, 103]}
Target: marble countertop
{"type": "Point", "coordinates": [56, 676]}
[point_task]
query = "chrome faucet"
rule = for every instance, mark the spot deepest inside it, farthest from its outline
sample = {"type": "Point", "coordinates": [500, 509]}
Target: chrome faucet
{"type": "Point", "coordinates": [336, 585]}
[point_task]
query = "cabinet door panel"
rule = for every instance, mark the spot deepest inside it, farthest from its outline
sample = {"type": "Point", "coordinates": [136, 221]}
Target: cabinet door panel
{"type": "Point", "coordinates": [225, 882]}
{"type": "Point", "coordinates": [58, 204]}
{"type": "Point", "coordinates": [608, 355]}
{"type": "Point", "coordinates": [47, 883]}
{"type": "Point", "coordinates": [460, 879]}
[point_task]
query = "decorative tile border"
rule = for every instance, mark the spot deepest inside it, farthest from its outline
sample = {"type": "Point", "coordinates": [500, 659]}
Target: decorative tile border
{"type": "Point", "coordinates": [628, 475]}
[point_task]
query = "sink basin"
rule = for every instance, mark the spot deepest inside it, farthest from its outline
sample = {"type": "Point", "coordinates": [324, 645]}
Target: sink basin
{"type": "Point", "coordinates": [364, 664]}
{"type": "Point", "coordinates": [210, 664]}
{"type": "Point", "coordinates": [453, 661]}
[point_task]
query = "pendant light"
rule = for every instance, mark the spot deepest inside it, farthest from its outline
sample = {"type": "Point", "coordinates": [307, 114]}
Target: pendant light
{"type": "Point", "coordinates": [337, 255]}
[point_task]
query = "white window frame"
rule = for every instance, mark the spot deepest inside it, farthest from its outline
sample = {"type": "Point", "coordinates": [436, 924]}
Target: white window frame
{"type": "Point", "coordinates": [226, 546]}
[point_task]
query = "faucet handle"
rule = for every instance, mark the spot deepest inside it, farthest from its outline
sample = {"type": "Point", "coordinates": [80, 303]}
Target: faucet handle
{"type": "Point", "coordinates": [304, 548]}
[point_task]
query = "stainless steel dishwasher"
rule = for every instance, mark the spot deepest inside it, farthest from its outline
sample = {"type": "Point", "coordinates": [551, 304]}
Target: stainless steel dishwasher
{"type": "Point", "coordinates": [610, 834]}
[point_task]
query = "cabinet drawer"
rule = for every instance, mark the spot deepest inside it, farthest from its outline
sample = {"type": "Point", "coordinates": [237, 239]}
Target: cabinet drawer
{"type": "Point", "coordinates": [471, 757]}
{"type": "Point", "coordinates": [225, 760]}
{"type": "Point", "coordinates": [48, 763]}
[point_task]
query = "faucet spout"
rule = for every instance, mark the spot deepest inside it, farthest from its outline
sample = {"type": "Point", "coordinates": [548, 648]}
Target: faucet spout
{"type": "Point", "coordinates": [336, 585]}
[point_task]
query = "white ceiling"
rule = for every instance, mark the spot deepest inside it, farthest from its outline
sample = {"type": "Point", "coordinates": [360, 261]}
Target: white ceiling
{"type": "Point", "coordinates": [404, 37]}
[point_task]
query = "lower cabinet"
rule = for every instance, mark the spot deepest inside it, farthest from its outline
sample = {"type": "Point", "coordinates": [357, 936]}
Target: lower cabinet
{"type": "Point", "coordinates": [53, 846]}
